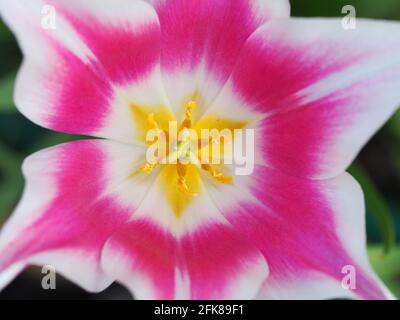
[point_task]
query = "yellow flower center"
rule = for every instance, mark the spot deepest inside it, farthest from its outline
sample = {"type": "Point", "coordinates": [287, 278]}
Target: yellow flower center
{"type": "Point", "coordinates": [182, 162]}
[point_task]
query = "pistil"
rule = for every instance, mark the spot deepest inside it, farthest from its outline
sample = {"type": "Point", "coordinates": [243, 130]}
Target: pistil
{"type": "Point", "coordinates": [187, 122]}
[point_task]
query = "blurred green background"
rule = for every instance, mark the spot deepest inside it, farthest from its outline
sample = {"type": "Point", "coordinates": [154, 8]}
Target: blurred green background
{"type": "Point", "coordinates": [377, 168]}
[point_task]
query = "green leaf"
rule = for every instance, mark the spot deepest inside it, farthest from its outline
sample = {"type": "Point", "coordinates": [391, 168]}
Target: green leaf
{"type": "Point", "coordinates": [387, 267]}
{"type": "Point", "coordinates": [382, 9]}
{"type": "Point", "coordinates": [5, 34]}
{"type": "Point", "coordinates": [12, 182]}
{"type": "Point", "coordinates": [10, 191]}
{"type": "Point", "coordinates": [392, 130]}
{"type": "Point", "coordinates": [54, 138]}
{"type": "Point", "coordinates": [394, 126]}
{"type": "Point", "coordinates": [375, 9]}
{"type": "Point", "coordinates": [395, 155]}
{"type": "Point", "coordinates": [377, 206]}
{"type": "Point", "coordinates": [6, 93]}
{"type": "Point", "coordinates": [10, 162]}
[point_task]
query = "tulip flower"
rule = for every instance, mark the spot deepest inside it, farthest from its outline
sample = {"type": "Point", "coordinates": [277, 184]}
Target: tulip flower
{"type": "Point", "coordinates": [312, 91]}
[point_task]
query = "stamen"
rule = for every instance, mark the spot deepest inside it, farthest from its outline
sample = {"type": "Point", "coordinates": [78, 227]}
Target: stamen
{"type": "Point", "coordinates": [182, 153]}
{"type": "Point", "coordinates": [148, 167]}
{"type": "Point", "coordinates": [190, 106]}
{"type": "Point", "coordinates": [216, 174]}
{"type": "Point", "coordinates": [184, 145]}
{"type": "Point", "coordinates": [152, 122]}
{"type": "Point", "coordinates": [182, 185]}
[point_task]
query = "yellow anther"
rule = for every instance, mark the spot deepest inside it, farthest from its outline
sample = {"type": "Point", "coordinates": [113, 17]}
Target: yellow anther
{"type": "Point", "coordinates": [182, 185]}
{"type": "Point", "coordinates": [148, 167]}
{"type": "Point", "coordinates": [190, 106]}
{"type": "Point", "coordinates": [184, 156]}
{"type": "Point", "coordinates": [216, 174]}
{"type": "Point", "coordinates": [152, 122]}
{"type": "Point", "coordinates": [223, 179]}
{"type": "Point", "coordinates": [181, 169]}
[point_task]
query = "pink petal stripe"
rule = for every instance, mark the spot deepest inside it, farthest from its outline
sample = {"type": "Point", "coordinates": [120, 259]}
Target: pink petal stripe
{"type": "Point", "coordinates": [270, 72]}
{"type": "Point", "coordinates": [142, 248]}
{"type": "Point", "coordinates": [125, 52]}
{"type": "Point", "coordinates": [321, 100]}
{"type": "Point", "coordinates": [301, 150]}
{"type": "Point", "coordinates": [201, 41]}
{"type": "Point", "coordinates": [196, 31]}
{"type": "Point", "coordinates": [94, 52]}
{"type": "Point", "coordinates": [78, 218]}
{"type": "Point", "coordinates": [82, 98]}
{"type": "Point", "coordinates": [215, 257]}
{"type": "Point", "coordinates": [209, 263]}
{"type": "Point", "coordinates": [296, 226]}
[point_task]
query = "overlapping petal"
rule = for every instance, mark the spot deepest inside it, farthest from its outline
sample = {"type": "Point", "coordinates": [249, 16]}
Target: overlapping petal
{"type": "Point", "coordinates": [198, 256]}
{"type": "Point", "coordinates": [321, 91]}
{"type": "Point", "coordinates": [309, 231]}
{"type": "Point", "coordinates": [76, 196]}
{"type": "Point", "coordinates": [201, 41]}
{"type": "Point", "coordinates": [89, 63]}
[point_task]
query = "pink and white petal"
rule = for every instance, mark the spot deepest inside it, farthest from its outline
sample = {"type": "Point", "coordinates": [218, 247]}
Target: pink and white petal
{"type": "Point", "coordinates": [323, 91]}
{"type": "Point", "coordinates": [9, 274]}
{"type": "Point", "coordinates": [75, 198]}
{"type": "Point", "coordinates": [88, 70]}
{"type": "Point", "coordinates": [201, 41]}
{"type": "Point", "coordinates": [315, 286]}
{"type": "Point", "coordinates": [308, 231]}
{"type": "Point", "coordinates": [198, 256]}
{"type": "Point", "coordinates": [124, 36]}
